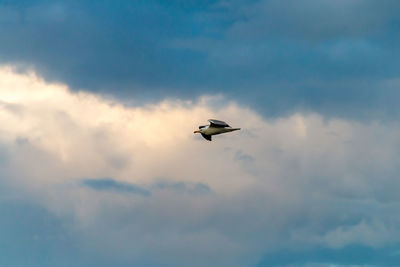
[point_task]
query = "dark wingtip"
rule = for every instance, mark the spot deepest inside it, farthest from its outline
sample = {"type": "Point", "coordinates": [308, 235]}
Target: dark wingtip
{"type": "Point", "coordinates": [207, 137]}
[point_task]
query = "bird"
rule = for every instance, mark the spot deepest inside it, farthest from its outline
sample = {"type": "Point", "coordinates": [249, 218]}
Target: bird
{"type": "Point", "coordinates": [215, 127]}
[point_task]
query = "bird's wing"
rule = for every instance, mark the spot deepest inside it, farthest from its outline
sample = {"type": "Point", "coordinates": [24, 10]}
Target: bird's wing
{"type": "Point", "coordinates": [206, 136]}
{"type": "Point", "coordinates": [218, 124]}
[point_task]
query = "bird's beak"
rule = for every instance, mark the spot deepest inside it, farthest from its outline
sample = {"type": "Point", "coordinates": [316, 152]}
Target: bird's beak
{"type": "Point", "coordinates": [196, 131]}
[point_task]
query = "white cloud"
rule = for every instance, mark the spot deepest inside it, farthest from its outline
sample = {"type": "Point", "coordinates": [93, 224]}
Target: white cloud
{"type": "Point", "coordinates": [278, 183]}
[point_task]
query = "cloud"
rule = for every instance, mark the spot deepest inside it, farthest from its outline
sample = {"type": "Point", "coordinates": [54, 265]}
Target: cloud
{"type": "Point", "coordinates": [329, 57]}
{"type": "Point", "coordinates": [313, 20]}
{"type": "Point", "coordinates": [32, 236]}
{"type": "Point", "coordinates": [180, 187]}
{"type": "Point", "coordinates": [348, 256]}
{"type": "Point", "coordinates": [108, 184]}
{"type": "Point", "coordinates": [302, 182]}
{"type": "Point", "coordinates": [111, 185]}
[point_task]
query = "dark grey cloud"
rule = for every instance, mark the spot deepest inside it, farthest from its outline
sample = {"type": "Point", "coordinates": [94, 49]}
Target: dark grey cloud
{"type": "Point", "coordinates": [111, 185]}
{"type": "Point", "coordinates": [97, 45]}
{"type": "Point", "coordinates": [314, 21]}
{"type": "Point", "coordinates": [182, 187]}
{"type": "Point", "coordinates": [329, 56]}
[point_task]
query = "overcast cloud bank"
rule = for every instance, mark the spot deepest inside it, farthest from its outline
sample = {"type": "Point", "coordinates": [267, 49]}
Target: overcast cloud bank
{"type": "Point", "coordinates": [333, 57]}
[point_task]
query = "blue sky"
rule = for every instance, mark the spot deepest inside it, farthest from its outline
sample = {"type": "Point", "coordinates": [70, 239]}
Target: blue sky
{"type": "Point", "coordinates": [99, 166]}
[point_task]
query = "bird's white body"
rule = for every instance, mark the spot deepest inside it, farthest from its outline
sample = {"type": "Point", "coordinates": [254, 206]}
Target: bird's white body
{"type": "Point", "coordinates": [215, 127]}
{"type": "Point", "coordinates": [209, 130]}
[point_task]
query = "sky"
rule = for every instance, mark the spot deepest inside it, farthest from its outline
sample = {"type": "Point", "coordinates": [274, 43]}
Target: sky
{"type": "Point", "coordinates": [99, 165]}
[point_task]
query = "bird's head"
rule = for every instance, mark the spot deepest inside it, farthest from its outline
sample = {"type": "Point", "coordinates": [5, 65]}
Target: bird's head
{"type": "Point", "coordinates": [196, 131]}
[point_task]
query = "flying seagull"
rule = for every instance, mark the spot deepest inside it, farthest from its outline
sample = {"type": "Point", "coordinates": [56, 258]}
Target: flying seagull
{"type": "Point", "coordinates": [215, 127]}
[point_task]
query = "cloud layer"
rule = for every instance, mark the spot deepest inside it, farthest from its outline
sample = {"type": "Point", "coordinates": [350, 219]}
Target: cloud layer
{"type": "Point", "coordinates": [297, 184]}
{"type": "Point", "coordinates": [331, 57]}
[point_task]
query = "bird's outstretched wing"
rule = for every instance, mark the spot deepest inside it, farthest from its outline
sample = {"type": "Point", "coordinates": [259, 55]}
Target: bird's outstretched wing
{"type": "Point", "coordinates": [218, 124]}
{"type": "Point", "coordinates": [206, 136]}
